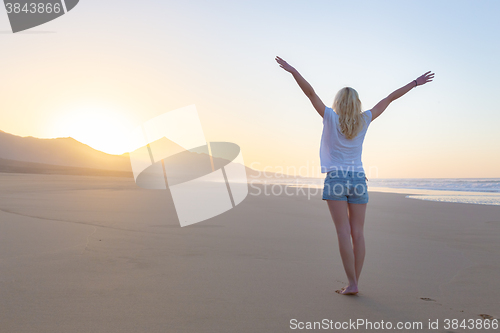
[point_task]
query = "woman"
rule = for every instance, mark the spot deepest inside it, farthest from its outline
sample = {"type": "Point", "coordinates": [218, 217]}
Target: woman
{"type": "Point", "coordinates": [345, 190]}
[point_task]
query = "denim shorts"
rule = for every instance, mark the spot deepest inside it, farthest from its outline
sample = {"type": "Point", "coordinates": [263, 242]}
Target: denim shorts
{"type": "Point", "coordinates": [347, 186]}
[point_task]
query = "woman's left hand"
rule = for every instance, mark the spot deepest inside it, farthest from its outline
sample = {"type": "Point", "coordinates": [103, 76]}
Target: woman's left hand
{"type": "Point", "coordinates": [283, 64]}
{"type": "Point", "coordinates": [424, 78]}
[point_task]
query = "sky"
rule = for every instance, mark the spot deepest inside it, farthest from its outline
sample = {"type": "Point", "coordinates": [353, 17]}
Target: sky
{"type": "Point", "coordinates": [106, 67]}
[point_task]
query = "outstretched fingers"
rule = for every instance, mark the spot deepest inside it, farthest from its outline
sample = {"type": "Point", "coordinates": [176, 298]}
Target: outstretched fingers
{"type": "Point", "coordinates": [424, 78]}
{"type": "Point", "coordinates": [429, 77]}
{"type": "Point", "coordinates": [283, 64]}
{"type": "Point", "coordinates": [280, 61]}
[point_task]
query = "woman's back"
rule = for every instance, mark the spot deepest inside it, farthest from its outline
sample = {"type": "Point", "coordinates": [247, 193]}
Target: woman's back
{"type": "Point", "coordinates": [338, 153]}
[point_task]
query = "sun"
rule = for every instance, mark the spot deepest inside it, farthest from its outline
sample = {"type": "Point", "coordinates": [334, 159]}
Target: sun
{"type": "Point", "coordinates": [101, 128]}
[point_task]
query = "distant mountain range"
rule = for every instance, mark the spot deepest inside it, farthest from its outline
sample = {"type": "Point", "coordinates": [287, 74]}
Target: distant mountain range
{"type": "Point", "coordinates": [64, 156]}
{"type": "Point", "coordinates": [61, 151]}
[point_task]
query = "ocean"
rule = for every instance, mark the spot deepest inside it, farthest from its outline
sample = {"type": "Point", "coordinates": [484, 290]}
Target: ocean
{"type": "Point", "coordinates": [483, 191]}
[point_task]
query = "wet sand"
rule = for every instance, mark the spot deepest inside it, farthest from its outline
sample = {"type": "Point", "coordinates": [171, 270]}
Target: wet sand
{"type": "Point", "coordinates": [98, 254]}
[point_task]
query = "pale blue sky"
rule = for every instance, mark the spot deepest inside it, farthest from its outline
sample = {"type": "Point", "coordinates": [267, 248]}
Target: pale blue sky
{"type": "Point", "coordinates": [143, 58]}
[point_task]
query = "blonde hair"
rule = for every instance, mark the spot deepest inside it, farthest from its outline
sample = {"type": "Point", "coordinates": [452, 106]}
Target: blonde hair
{"type": "Point", "coordinates": [348, 106]}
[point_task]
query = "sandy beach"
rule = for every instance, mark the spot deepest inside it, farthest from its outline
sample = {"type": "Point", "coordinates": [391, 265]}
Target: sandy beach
{"type": "Point", "coordinates": [99, 254]}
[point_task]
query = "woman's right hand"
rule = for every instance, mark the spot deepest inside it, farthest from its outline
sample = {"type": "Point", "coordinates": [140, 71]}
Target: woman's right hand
{"type": "Point", "coordinates": [424, 78]}
{"type": "Point", "coordinates": [283, 64]}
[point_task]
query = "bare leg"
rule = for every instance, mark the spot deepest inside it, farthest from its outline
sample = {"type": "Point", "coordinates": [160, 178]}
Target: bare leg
{"type": "Point", "coordinates": [338, 210]}
{"type": "Point", "coordinates": [357, 222]}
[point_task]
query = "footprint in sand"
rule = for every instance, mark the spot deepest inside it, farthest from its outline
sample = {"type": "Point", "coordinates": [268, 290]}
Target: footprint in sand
{"type": "Point", "coordinates": [427, 299]}
{"type": "Point", "coordinates": [485, 316]}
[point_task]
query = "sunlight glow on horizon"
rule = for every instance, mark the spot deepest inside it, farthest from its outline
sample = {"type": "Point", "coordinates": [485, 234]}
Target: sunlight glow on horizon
{"type": "Point", "coordinates": [101, 128]}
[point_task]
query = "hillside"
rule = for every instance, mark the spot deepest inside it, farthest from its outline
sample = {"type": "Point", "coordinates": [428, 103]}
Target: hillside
{"type": "Point", "coordinates": [60, 151]}
{"type": "Point", "coordinates": [69, 156]}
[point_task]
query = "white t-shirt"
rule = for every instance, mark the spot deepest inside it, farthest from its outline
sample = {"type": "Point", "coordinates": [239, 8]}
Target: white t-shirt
{"type": "Point", "coordinates": [336, 151]}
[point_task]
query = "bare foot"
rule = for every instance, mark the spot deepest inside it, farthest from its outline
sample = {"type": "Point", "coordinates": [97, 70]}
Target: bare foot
{"type": "Point", "coordinates": [348, 290]}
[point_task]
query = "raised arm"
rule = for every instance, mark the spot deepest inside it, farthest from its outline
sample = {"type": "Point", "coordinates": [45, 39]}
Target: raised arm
{"type": "Point", "coordinates": [304, 85]}
{"type": "Point", "coordinates": [383, 104]}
